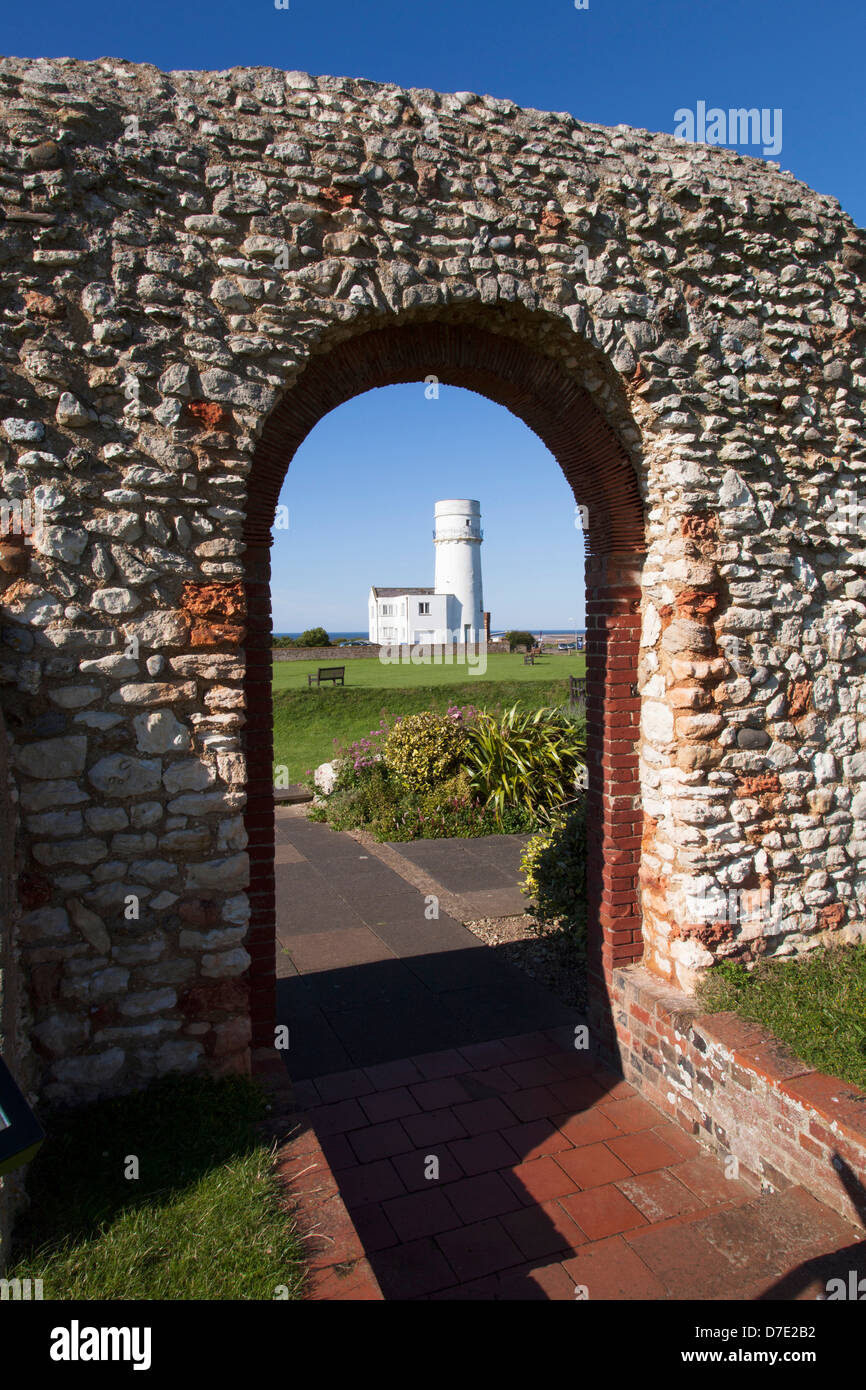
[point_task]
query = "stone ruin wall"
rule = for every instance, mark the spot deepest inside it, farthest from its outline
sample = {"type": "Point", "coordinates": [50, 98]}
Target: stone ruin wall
{"type": "Point", "coordinates": [173, 250]}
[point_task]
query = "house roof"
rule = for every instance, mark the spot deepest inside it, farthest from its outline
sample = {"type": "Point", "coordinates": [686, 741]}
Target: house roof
{"type": "Point", "coordinates": [398, 593]}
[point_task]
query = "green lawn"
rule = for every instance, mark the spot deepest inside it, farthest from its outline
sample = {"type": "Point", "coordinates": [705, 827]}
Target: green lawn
{"type": "Point", "coordinates": [203, 1220]}
{"type": "Point", "coordinates": [370, 673]}
{"type": "Point", "coordinates": [306, 721]}
{"type": "Point", "coordinates": [816, 1006]}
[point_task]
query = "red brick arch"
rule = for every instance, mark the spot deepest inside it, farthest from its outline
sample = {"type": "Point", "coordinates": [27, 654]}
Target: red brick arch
{"type": "Point", "coordinates": [535, 388]}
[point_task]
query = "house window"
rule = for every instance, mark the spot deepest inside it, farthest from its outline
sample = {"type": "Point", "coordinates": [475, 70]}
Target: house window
{"type": "Point", "coordinates": [423, 608]}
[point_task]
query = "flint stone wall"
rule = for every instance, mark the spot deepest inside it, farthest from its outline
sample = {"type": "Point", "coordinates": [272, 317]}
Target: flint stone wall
{"type": "Point", "coordinates": [175, 251]}
{"type": "Point", "coordinates": [331, 655]}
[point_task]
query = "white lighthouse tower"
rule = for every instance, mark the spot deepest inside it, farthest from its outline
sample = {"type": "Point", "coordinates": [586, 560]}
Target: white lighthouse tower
{"type": "Point", "coordinates": [458, 536]}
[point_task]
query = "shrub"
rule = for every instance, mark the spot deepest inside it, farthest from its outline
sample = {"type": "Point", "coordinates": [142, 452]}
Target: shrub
{"type": "Point", "coordinates": [314, 637]}
{"type": "Point", "coordinates": [519, 639]}
{"type": "Point", "coordinates": [554, 866]}
{"type": "Point", "coordinates": [368, 799]}
{"type": "Point", "coordinates": [376, 799]}
{"type": "Point", "coordinates": [525, 758]}
{"type": "Point", "coordinates": [353, 758]}
{"type": "Point", "coordinates": [444, 811]}
{"type": "Point", "coordinates": [421, 749]}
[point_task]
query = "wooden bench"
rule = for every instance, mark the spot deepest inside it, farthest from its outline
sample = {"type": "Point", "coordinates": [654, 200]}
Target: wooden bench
{"type": "Point", "coordinates": [529, 659]}
{"type": "Point", "coordinates": [328, 673]}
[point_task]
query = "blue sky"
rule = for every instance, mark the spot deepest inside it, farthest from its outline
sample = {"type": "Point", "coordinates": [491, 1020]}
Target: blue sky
{"type": "Point", "coordinates": [618, 61]}
{"type": "Point", "coordinates": [360, 496]}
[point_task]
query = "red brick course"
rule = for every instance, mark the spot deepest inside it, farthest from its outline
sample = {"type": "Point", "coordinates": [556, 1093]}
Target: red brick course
{"type": "Point", "coordinates": [742, 1093]}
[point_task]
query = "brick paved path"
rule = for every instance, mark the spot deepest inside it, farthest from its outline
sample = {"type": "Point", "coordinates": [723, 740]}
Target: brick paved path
{"type": "Point", "coordinates": [489, 1163]}
{"type": "Point", "coordinates": [554, 1176]}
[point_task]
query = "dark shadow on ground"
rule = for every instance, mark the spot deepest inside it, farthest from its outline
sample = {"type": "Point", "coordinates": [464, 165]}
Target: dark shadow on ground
{"type": "Point", "coordinates": [847, 1267]}
{"type": "Point", "coordinates": [363, 1015]}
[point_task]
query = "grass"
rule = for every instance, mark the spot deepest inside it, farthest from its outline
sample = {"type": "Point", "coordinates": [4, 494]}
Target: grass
{"type": "Point", "coordinates": [306, 722]}
{"type": "Point", "coordinates": [816, 1006]}
{"type": "Point", "coordinates": [370, 673]}
{"type": "Point", "coordinates": [202, 1221]}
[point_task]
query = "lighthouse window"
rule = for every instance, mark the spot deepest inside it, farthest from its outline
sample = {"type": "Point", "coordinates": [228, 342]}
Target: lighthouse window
{"type": "Point", "coordinates": [423, 608]}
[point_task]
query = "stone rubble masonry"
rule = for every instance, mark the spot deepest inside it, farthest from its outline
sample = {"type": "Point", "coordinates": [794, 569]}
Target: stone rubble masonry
{"type": "Point", "coordinates": [208, 263]}
{"type": "Point", "coordinates": [741, 1093]}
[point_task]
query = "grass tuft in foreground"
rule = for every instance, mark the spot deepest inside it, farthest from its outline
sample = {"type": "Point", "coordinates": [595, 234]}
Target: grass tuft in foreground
{"type": "Point", "coordinates": [816, 1006]}
{"type": "Point", "coordinates": [204, 1220]}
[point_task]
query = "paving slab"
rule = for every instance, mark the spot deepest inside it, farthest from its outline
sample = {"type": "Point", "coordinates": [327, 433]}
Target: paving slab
{"type": "Point", "coordinates": [409, 938]}
{"type": "Point", "coordinates": [334, 950]}
{"type": "Point", "coordinates": [452, 864]}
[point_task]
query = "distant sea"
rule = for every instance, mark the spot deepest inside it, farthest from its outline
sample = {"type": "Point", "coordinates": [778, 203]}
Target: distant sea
{"type": "Point", "coordinates": [334, 636]}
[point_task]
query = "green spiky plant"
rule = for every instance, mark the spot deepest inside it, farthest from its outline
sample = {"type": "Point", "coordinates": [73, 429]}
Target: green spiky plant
{"type": "Point", "coordinates": [531, 759]}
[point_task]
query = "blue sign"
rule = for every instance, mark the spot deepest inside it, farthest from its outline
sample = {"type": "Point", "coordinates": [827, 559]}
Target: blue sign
{"type": "Point", "coordinates": [20, 1132]}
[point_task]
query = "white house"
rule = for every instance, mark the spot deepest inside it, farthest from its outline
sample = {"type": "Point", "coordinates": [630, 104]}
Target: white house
{"type": "Point", "coordinates": [452, 611]}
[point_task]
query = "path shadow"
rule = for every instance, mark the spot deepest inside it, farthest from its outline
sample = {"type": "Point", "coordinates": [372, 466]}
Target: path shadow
{"type": "Point", "coordinates": [459, 1057]}
{"type": "Point", "coordinates": [846, 1266]}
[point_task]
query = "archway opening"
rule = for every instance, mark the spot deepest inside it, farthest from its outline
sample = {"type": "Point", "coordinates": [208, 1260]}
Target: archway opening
{"type": "Point", "coordinates": [602, 478]}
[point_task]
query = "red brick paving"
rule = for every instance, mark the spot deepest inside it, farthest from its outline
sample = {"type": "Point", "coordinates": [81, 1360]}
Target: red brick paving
{"type": "Point", "coordinates": [555, 1181]}
{"type": "Point", "coordinates": [643, 1152]}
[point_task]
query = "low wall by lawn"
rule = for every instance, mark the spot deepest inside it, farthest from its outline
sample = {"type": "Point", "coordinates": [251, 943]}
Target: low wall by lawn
{"type": "Point", "coordinates": [737, 1089]}
{"type": "Point", "coordinates": [332, 655]}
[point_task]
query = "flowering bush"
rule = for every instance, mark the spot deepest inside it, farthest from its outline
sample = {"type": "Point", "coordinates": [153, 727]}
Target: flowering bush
{"type": "Point", "coordinates": [354, 759]}
{"type": "Point", "coordinates": [462, 773]}
{"type": "Point", "coordinates": [462, 714]}
{"type": "Point", "coordinates": [423, 749]}
{"type": "Point", "coordinates": [447, 810]}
